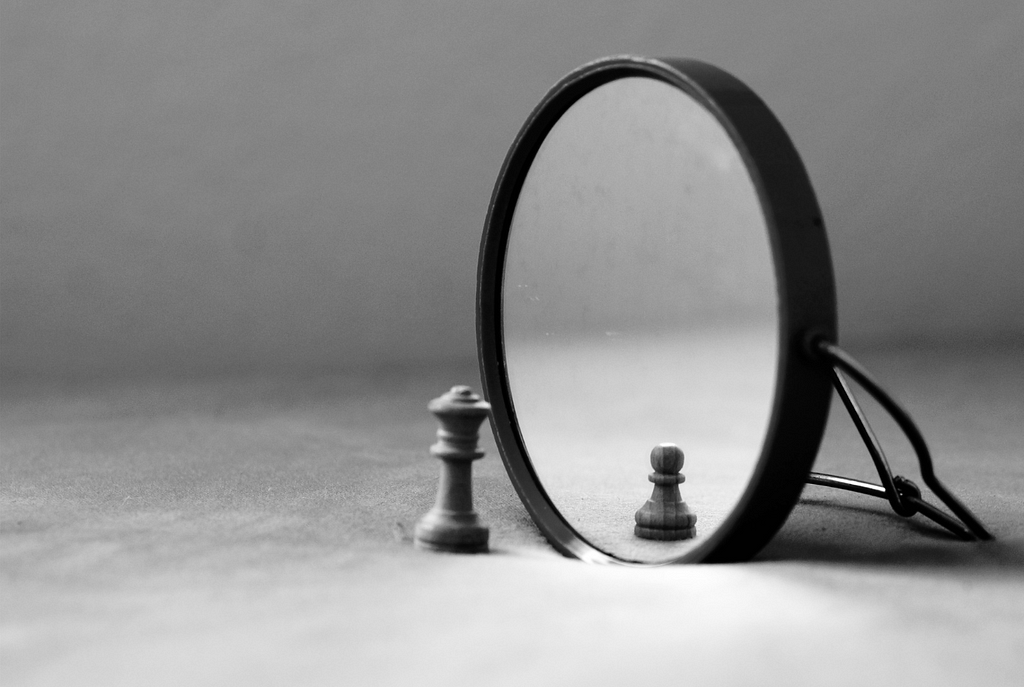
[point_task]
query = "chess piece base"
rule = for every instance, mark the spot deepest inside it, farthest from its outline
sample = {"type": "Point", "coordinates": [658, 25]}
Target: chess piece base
{"type": "Point", "coordinates": [662, 534]}
{"type": "Point", "coordinates": [455, 533]}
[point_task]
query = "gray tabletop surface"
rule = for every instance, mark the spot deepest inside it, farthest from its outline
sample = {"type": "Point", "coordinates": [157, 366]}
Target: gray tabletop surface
{"type": "Point", "coordinates": [257, 531]}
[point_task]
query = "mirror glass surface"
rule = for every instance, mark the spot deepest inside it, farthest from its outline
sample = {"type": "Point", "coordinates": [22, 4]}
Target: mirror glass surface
{"type": "Point", "coordinates": [639, 306]}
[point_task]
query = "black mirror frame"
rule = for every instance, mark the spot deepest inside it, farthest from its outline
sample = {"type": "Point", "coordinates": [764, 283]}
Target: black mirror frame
{"type": "Point", "coordinates": [806, 298]}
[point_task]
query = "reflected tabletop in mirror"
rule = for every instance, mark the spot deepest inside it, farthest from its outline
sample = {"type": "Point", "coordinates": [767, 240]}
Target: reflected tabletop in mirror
{"type": "Point", "coordinates": [652, 259]}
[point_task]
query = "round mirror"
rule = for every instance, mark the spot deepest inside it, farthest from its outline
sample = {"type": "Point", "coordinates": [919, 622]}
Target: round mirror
{"type": "Point", "coordinates": [653, 261]}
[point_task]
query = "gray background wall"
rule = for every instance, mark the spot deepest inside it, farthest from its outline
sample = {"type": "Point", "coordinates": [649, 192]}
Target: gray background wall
{"type": "Point", "coordinates": [193, 186]}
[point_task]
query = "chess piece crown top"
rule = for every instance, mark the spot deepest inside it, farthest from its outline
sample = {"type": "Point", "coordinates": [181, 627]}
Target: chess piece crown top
{"type": "Point", "coordinates": [460, 400]}
{"type": "Point", "coordinates": [460, 412]}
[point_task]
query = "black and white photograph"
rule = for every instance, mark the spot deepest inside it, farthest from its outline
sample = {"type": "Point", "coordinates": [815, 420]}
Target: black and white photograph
{"type": "Point", "coordinates": [451, 343]}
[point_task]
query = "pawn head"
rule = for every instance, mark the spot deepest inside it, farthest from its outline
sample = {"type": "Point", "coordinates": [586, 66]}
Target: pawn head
{"type": "Point", "coordinates": [667, 459]}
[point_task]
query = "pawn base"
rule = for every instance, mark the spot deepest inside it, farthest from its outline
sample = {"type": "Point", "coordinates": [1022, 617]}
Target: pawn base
{"type": "Point", "coordinates": [660, 534]}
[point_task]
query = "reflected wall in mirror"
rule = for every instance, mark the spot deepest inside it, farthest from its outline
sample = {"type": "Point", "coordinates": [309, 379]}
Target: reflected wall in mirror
{"type": "Point", "coordinates": [639, 307]}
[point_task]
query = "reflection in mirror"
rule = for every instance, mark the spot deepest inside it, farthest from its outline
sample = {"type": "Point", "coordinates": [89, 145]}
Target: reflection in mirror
{"type": "Point", "coordinates": [639, 307]}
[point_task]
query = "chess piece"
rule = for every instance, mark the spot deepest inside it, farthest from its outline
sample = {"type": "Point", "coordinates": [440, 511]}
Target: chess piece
{"type": "Point", "coordinates": [452, 524]}
{"type": "Point", "coordinates": [665, 516]}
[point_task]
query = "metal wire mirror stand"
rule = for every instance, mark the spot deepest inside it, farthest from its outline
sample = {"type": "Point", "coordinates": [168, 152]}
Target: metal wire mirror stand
{"type": "Point", "coordinates": [903, 495]}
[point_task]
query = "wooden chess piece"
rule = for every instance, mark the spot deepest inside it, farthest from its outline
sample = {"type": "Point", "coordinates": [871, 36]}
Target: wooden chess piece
{"type": "Point", "coordinates": [665, 516]}
{"type": "Point", "coordinates": [452, 524]}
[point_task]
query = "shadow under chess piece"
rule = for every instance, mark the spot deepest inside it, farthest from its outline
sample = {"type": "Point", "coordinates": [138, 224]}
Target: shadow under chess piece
{"type": "Point", "coordinates": [452, 524]}
{"type": "Point", "coordinates": [665, 516]}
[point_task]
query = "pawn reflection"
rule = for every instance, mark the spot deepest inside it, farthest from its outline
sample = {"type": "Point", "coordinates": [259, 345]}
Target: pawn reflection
{"type": "Point", "coordinates": [665, 516]}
